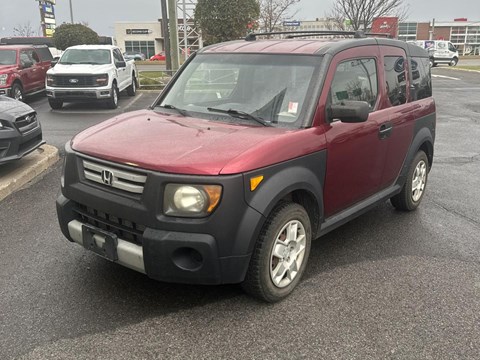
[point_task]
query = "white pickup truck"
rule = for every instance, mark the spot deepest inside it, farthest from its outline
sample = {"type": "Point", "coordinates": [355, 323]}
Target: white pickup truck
{"type": "Point", "coordinates": [90, 72]}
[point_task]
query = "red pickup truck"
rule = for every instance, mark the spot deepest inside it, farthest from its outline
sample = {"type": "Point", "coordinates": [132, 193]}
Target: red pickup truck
{"type": "Point", "coordinates": [23, 69]}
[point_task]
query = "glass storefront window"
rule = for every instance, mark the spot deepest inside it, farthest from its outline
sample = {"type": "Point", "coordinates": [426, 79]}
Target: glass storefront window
{"type": "Point", "coordinates": [145, 47]}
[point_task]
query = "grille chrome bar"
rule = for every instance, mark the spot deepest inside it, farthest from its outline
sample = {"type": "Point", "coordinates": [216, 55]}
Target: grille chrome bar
{"type": "Point", "coordinates": [121, 179]}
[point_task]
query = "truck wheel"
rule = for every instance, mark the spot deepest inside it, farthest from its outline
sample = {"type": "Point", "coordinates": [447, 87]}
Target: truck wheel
{"type": "Point", "coordinates": [112, 103]}
{"type": "Point", "coordinates": [414, 188]}
{"type": "Point", "coordinates": [281, 253]}
{"type": "Point", "coordinates": [55, 104]}
{"type": "Point", "coordinates": [454, 62]}
{"type": "Point", "coordinates": [132, 89]}
{"type": "Point", "coordinates": [17, 92]}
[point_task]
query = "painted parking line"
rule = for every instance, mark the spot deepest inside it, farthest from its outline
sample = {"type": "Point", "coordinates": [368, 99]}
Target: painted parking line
{"type": "Point", "coordinates": [444, 77]}
{"type": "Point", "coordinates": [133, 101]}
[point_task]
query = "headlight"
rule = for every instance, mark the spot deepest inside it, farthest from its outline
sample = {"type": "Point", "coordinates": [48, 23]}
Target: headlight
{"type": "Point", "coordinates": [3, 79]}
{"type": "Point", "coordinates": [191, 200]}
{"type": "Point", "coordinates": [102, 80]}
{"type": "Point", "coordinates": [50, 80]}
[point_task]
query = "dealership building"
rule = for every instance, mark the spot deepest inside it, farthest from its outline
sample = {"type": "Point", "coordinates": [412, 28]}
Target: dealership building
{"type": "Point", "coordinates": [147, 37]}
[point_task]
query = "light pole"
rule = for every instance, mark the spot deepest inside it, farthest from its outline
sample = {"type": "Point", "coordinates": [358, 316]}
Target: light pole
{"type": "Point", "coordinates": [71, 12]}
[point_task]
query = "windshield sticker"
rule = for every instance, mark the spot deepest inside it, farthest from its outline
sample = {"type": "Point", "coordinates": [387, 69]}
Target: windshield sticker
{"type": "Point", "coordinates": [292, 107]}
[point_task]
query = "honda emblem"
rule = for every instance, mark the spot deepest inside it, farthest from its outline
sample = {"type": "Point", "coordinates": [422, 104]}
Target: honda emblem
{"type": "Point", "coordinates": [107, 177]}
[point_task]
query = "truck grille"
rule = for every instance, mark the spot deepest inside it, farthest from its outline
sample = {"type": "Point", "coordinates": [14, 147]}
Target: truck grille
{"type": "Point", "coordinates": [125, 180]}
{"type": "Point", "coordinates": [26, 123]}
{"type": "Point", "coordinates": [124, 229]}
{"type": "Point", "coordinates": [75, 81]}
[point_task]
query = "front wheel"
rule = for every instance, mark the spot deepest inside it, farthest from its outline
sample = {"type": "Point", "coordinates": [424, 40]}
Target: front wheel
{"type": "Point", "coordinates": [112, 103]}
{"type": "Point", "coordinates": [281, 253]}
{"type": "Point", "coordinates": [55, 104]}
{"type": "Point", "coordinates": [414, 188]}
{"type": "Point", "coordinates": [17, 92]}
{"type": "Point", "coordinates": [454, 62]}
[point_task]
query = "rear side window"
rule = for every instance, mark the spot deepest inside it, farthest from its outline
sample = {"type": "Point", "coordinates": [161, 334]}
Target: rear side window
{"type": "Point", "coordinates": [422, 81]}
{"type": "Point", "coordinates": [396, 79]}
{"type": "Point", "coordinates": [355, 80]}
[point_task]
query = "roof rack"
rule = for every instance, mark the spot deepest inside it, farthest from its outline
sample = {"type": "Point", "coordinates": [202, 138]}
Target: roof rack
{"type": "Point", "coordinates": [295, 34]}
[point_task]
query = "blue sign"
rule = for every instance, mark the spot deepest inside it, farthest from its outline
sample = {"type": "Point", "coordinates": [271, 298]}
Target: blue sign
{"type": "Point", "coordinates": [291, 23]}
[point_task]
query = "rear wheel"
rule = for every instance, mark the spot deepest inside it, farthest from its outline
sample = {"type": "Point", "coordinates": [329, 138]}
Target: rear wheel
{"type": "Point", "coordinates": [112, 103]}
{"type": "Point", "coordinates": [132, 89]}
{"type": "Point", "coordinates": [17, 92]}
{"type": "Point", "coordinates": [281, 253]}
{"type": "Point", "coordinates": [55, 104]}
{"type": "Point", "coordinates": [414, 188]}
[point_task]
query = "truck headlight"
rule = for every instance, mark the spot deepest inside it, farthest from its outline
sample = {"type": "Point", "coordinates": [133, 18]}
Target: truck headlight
{"type": "Point", "coordinates": [50, 80]}
{"type": "Point", "coordinates": [3, 79]}
{"type": "Point", "coordinates": [191, 200]}
{"type": "Point", "coordinates": [102, 80]}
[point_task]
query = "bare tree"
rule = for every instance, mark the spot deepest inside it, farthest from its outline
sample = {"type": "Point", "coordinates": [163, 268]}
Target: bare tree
{"type": "Point", "coordinates": [24, 30]}
{"type": "Point", "coordinates": [274, 12]}
{"type": "Point", "coordinates": [359, 14]}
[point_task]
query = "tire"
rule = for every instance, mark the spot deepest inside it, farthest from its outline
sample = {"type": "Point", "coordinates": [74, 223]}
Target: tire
{"type": "Point", "coordinates": [112, 103]}
{"type": "Point", "coordinates": [414, 188]}
{"type": "Point", "coordinates": [277, 263]}
{"type": "Point", "coordinates": [55, 104]}
{"type": "Point", "coordinates": [431, 62]}
{"type": "Point", "coordinates": [17, 92]}
{"type": "Point", "coordinates": [132, 89]}
{"type": "Point", "coordinates": [454, 62]}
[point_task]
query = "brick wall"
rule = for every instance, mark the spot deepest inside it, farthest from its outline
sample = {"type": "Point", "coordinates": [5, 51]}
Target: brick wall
{"type": "Point", "coordinates": [441, 33]}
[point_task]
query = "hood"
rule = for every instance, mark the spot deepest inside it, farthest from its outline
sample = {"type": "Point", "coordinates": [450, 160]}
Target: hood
{"type": "Point", "coordinates": [11, 109]}
{"type": "Point", "coordinates": [7, 68]}
{"type": "Point", "coordinates": [184, 145]}
{"type": "Point", "coordinates": [77, 69]}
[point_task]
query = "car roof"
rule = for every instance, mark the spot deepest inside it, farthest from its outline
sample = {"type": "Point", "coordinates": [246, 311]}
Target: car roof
{"type": "Point", "coordinates": [306, 46]}
{"type": "Point", "coordinates": [16, 47]}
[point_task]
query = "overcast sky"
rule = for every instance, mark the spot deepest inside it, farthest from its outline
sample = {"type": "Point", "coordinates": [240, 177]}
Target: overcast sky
{"type": "Point", "coordinates": [102, 14]}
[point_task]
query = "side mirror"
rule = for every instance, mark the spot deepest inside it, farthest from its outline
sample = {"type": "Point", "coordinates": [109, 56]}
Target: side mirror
{"type": "Point", "coordinates": [120, 64]}
{"type": "Point", "coordinates": [350, 111]}
{"type": "Point", "coordinates": [54, 62]}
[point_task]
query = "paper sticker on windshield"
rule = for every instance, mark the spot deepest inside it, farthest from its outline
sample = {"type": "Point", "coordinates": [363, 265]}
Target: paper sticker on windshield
{"type": "Point", "coordinates": [292, 107]}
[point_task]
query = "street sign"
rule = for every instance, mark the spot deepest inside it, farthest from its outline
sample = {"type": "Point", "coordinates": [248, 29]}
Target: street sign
{"type": "Point", "coordinates": [292, 23]}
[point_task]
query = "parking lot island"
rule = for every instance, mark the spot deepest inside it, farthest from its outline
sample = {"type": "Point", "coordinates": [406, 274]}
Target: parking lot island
{"type": "Point", "coordinates": [15, 175]}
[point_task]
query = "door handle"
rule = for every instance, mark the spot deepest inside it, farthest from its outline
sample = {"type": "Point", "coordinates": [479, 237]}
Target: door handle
{"type": "Point", "coordinates": [385, 130]}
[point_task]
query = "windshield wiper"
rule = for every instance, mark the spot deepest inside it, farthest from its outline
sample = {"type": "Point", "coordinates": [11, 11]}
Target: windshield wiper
{"type": "Point", "coordinates": [240, 114]}
{"type": "Point", "coordinates": [168, 106]}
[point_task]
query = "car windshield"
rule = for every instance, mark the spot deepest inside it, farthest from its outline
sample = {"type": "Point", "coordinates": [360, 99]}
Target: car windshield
{"type": "Point", "coordinates": [8, 57]}
{"type": "Point", "coordinates": [85, 56]}
{"type": "Point", "coordinates": [261, 89]}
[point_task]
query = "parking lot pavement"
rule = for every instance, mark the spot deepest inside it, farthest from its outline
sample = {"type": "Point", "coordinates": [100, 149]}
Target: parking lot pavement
{"type": "Point", "coordinates": [388, 285]}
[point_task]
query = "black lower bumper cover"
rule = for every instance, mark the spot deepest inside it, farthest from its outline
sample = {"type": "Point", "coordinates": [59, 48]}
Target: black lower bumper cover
{"type": "Point", "coordinates": [177, 257]}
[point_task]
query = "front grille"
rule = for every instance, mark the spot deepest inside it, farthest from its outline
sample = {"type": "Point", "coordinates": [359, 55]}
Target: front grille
{"type": "Point", "coordinates": [75, 94]}
{"type": "Point", "coordinates": [26, 123]}
{"type": "Point", "coordinates": [124, 229]}
{"type": "Point", "coordinates": [75, 80]}
{"type": "Point", "coordinates": [129, 181]}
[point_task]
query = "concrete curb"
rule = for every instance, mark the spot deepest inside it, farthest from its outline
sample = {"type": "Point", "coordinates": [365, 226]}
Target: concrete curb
{"type": "Point", "coordinates": [15, 175]}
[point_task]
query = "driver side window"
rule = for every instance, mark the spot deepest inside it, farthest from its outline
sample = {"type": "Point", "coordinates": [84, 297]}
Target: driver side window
{"type": "Point", "coordinates": [356, 80]}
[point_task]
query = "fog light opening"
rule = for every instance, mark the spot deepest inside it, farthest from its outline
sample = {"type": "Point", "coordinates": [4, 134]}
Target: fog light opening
{"type": "Point", "coordinates": [187, 259]}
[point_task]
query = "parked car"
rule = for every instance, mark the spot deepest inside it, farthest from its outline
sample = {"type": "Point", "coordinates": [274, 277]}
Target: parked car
{"type": "Point", "coordinates": [133, 55]}
{"type": "Point", "coordinates": [20, 130]}
{"type": "Point", "coordinates": [23, 69]}
{"type": "Point", "coordinates": [441, 51]}
{"type": "Point", "coordinates": [90, 72]}
{"type": "Point", "coordinates": [254, 149]}
{"type": "Point", "coordinates": [158, 57]}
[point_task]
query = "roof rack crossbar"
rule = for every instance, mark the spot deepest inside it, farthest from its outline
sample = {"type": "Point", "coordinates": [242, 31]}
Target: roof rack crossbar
{"type": "Point", "coordinates": [355, 34]}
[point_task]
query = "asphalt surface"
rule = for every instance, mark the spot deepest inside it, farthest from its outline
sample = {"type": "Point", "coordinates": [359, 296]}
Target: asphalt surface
{"type": "Point", "coordinates": [387, 285]}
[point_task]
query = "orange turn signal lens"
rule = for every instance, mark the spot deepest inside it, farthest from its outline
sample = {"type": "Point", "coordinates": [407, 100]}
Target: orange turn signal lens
{"type": "Point", "coordinates": [255, 181]}
{"type": "Point", "coordinates": [214, 193]}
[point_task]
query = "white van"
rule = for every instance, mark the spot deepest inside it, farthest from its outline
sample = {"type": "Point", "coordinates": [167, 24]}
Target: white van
{"type": "Point", "coordinates": [441, 52]}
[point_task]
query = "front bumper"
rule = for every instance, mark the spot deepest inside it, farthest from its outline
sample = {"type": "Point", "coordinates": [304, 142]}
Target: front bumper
{"type": "Point", "coordinates": [5, 91]}
{"type": "Point", "coordinates": [78, 94]}
{"type": "Point", "coordinates": [213, 250]}
{"type": "Point", "coordinates": [14, 145]}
